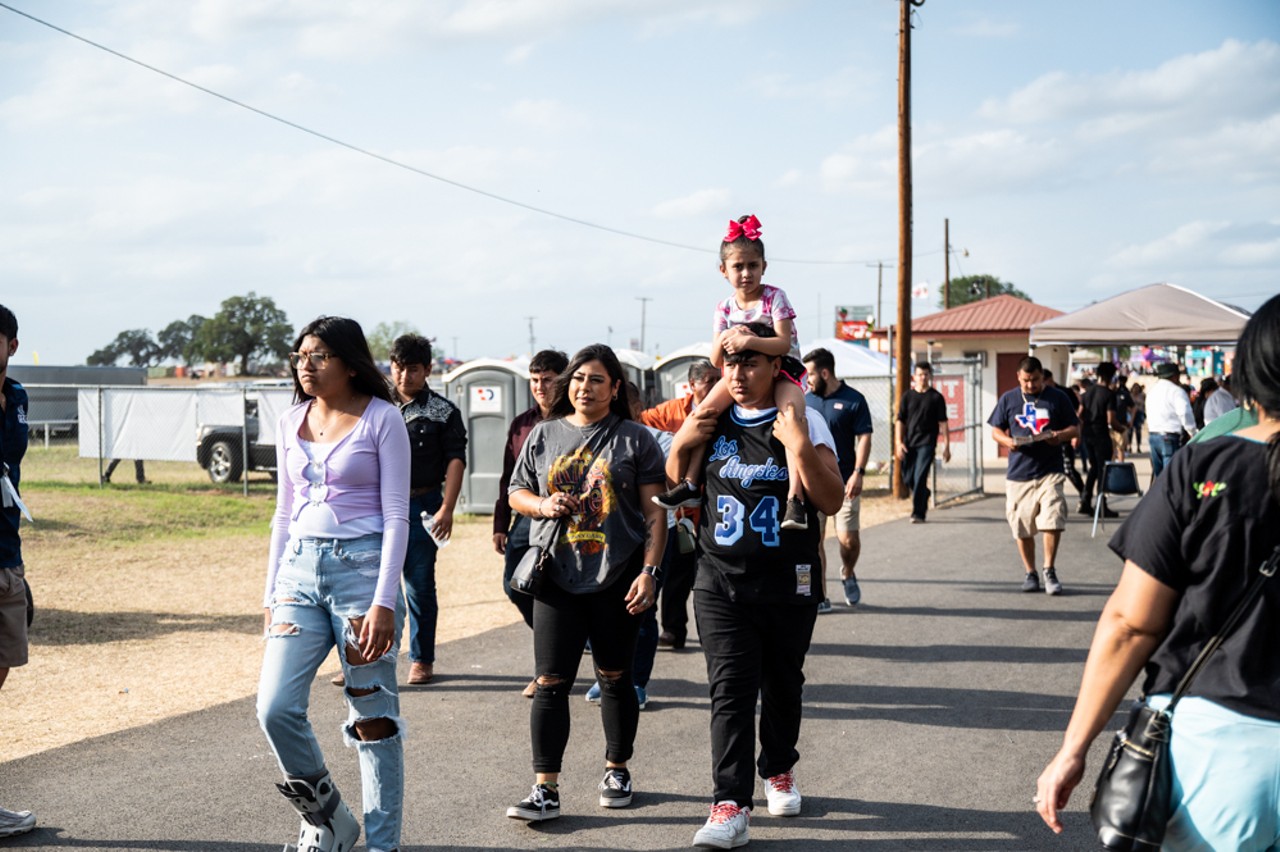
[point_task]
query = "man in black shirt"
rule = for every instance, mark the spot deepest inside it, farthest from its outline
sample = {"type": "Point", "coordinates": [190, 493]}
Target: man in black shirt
{"type": "Point", "coordinates": [1099, 418]}
{"type": "Point", "coordinates": [438, 448]}
{"type": "Point", "coordinates": [920, 413]}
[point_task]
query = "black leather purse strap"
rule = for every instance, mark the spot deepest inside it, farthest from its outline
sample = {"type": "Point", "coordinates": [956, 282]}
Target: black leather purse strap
{"type": "Point", "coordinates": [1246, 603]}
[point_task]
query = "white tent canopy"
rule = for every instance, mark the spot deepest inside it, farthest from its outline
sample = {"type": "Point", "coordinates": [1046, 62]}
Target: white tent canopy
{"type": "Point", "coordinates": [852, 361]}
{"type": "Point", "coordinates": [1155, 315]}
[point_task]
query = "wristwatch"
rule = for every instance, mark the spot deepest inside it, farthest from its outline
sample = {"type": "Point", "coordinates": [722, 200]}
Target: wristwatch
{"type": "Point", "coordinates": [861, 470]}
{"type": "Point", "coordinates": [651, 570]}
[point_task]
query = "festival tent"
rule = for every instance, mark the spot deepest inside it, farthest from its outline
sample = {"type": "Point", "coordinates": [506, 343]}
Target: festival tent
{"type": "Point", "coordinates": [1158, 315]}
{"type": "Point", "coordinates": [852, 361]}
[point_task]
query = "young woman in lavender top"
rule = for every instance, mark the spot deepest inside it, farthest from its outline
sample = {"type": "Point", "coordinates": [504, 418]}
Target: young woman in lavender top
{"type": "Point", "coordinates": [333, 579]}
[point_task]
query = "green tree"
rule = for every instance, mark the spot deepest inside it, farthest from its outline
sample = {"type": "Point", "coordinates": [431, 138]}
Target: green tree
{"type": "Point", "coordinates": [974, 288]}
{"type": "Point", "coordinates": [136, 343]}
{"type": "Point", "coordinates": [177, 340]}
{"type": "Point", "coordinates": [384, 334]}
{"type": "Point", "coordinates": [243, 328]}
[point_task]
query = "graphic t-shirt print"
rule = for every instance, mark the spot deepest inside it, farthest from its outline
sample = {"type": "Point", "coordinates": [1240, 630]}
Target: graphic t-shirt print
{"type": "Point", "coordinates": [596, 499]}
{"type": "Point", "coordinates": [1033, 418]}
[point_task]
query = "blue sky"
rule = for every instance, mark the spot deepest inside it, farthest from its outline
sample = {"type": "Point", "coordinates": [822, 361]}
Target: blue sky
{"type": "Point", "coordinates": [1079, 149]}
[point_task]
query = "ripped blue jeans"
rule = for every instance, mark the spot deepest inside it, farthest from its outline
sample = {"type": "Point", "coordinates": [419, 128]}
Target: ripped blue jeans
{"type": "Point", "coordinates": [323, 584]}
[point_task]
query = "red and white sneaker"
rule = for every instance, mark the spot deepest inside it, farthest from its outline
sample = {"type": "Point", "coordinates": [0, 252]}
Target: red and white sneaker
{"type": "Point", "coordinates": [727, 828]}
{"type": "Point", "coordinates": [783, 795]}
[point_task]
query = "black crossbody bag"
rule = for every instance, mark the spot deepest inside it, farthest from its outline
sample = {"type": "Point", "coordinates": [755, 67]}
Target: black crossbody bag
{"type": "Point", "coordinates": [1133, 801]}
{"type": "Point", "coordinates": [530, 574]}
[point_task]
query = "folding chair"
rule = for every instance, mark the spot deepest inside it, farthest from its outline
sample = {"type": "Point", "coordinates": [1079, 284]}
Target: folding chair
{"type": "Point", "coordinates": [1118, 478]}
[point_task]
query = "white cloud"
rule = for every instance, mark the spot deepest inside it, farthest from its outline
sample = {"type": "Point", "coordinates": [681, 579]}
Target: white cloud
{"type": "Point", "coordinates": [791, 177]}
{"type": "Point", "coordinates": [988, 161]}
{"type": "Point", "coordinates": [1205, 244]}
{"type": "Point", "coordinates": [1233, 79]}
{"type": "Point", "coordinates": [1245, 151]}
{"type": "Point", "coordinates": [988, 28]}
{"type": "Point", "coordinates": [699, 203]}
{"type": "Point", "coordinates": [846, 85]}
{"type": "Point", "coordinates": [546, 114]}
{"type": "Point", "coordinates": [1187, 240]}
{"type": "Point", "coordinates": [520, 54]}
{"type": "Point", "coordinates": [867, 165]}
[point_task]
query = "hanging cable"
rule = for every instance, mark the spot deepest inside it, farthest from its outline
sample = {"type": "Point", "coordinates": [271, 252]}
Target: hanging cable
{"type": "Point", "coordinates": [397, 163]}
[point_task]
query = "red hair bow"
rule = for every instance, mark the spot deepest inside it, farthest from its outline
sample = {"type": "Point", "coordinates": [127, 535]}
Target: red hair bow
{"type": "Point", "coordinates": [749, 229]}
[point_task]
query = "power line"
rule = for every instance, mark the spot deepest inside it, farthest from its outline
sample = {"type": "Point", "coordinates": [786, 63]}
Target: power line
{"type": "Point", "coordinates": [397, 163]}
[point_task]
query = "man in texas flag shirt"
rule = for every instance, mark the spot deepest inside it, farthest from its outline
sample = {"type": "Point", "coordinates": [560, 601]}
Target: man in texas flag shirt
{"type": "Point", "coordinates": [1032, 421]}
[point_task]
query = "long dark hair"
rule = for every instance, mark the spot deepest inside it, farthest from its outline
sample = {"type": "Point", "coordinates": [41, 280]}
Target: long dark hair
{"type": "Point", "coordinates": [345, 339]}
{"type": "Point", "coordinates": [1256, 375]}
{"type": "Point", "coordinates": [562, 406]}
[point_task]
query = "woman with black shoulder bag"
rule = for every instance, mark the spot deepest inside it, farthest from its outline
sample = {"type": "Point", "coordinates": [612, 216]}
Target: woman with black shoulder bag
{"type": "Point", "coordinates": [1199, 552]}
{"type": "Point", "coordinates": [586, 477]}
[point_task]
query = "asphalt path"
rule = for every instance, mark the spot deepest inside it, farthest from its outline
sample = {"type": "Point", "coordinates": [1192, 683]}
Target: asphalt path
{"type": "Point", "coordinates": [930, 709]}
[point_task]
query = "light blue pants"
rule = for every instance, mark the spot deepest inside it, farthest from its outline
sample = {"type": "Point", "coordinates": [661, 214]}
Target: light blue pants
{"type": "Point", "coordinates": [320, 587]}
{"type": "Point", "coordinates": [1226, 778]}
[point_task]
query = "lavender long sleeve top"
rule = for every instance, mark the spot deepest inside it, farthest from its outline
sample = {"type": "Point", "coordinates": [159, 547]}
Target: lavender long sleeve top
{"type": "Point", "coordinates": [366, 473]}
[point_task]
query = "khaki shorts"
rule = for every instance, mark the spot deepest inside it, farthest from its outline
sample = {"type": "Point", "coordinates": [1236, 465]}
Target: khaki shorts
{"type": "Point", "coordinates": [1039, 505]}
{"type": "Point", "coordinates": [848, 519]}
{"type": "Point", "coordinates": [13, 618]}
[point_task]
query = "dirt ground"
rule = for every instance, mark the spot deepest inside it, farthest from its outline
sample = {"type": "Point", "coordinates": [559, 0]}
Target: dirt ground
{"type": "Point", "coordinates": [128, 633]}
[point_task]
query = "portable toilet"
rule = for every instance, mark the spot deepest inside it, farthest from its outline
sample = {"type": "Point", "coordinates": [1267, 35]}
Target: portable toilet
{"type": "Point", "coordinates": [636, 365]}
{"type": "Point", "coordinates": [671, 371]}
{"type": "Point", "coordinates": [489, 393]}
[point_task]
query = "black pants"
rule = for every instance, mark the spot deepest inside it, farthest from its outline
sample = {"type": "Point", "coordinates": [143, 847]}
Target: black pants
{"type": "Point", "coordinates": [562, 624]}
{"type": "Point", "coordinates": [517, 544]}
{"type": "Point", "coordinates": [752, 648]}
{"type": "Point", "coordinates": [676, 589]}
{"type": "Point", "coordinates": [1099, 454]}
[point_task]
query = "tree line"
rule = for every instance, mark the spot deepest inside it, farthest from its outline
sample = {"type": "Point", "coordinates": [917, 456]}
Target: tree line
{"type": "Point", "coordinates": [250, 330]}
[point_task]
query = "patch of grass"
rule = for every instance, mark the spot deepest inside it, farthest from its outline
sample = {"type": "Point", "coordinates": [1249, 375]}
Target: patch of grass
{"type": "Point", "coordinates": [61, 465]}
{"type": "Point", "coordinates": [77, 514]}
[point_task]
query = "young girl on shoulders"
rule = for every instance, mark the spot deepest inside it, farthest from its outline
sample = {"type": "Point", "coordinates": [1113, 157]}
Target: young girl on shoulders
{"type": "Point", "coordinates": [742, 263]}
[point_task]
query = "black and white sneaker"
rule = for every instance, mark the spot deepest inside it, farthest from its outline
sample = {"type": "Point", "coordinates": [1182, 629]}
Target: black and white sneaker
{"type": "Point", "coordinates": [542, 804]}
{"type": "Point", "coordinates": [684, 495]}
{"type": "Point", "coordinates": [615, 788]}
{"type": "Point", "coordinates": [795, 517]}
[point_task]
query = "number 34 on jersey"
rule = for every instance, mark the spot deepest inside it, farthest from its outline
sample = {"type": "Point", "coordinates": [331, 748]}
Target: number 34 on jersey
{"type": "Point", "coordinates": [736, 519]}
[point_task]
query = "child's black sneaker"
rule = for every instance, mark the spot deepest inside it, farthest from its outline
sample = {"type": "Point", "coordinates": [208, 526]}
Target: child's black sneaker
{"type": "Point", "coordinates": [685, 494]}
{"type": "Point", "coordinates": [795, 517]}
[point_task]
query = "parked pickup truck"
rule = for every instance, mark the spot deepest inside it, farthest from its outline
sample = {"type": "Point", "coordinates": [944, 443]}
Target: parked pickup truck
{"type": "Point", "coordinates": [220, 447]}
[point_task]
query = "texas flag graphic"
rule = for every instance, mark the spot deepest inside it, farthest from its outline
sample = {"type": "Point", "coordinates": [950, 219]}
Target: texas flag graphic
{"type": "Point", "coordinates": [1033, 418]}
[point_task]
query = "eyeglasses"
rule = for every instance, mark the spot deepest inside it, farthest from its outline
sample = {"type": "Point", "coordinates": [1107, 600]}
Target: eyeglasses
{"type": "Point", "coordinates": [317, 359]}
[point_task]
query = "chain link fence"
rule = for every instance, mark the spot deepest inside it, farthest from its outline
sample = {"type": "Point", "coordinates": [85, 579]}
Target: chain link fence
{"type": "Point", "coordinates": [960, 383]}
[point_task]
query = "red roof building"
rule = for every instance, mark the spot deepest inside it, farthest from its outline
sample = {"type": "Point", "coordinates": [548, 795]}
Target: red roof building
{"type": "Point", "coordinates": [997, 331]}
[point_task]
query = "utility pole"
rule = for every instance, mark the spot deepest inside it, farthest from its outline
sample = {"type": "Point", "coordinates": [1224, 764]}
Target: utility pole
{"type": "Point", "coordinates": [644, 303]}
{"type": "Point", "coordinates": [946, 264]}
{"type": "Point", "coordinates": [532, 345]}
{"type": "Point", "coordinates": [904, 215]}
{"type": "Point", "coordinates": [880, 322]}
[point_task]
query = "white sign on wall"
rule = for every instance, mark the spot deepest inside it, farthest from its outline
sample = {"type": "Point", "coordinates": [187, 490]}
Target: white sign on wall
{"type": "Point", "coordinates": [486, 399]}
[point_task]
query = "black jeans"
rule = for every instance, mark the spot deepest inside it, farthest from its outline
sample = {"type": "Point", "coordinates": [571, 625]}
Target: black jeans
{"type": "Point", "coordinates": [1099, 446]}
{"type": "Point", "coordinates": [517, 544]}
{"type": "Point", "coordinates": [675, 591]}
{"type": "Point", "coordinates": [562, 624]}
{"type": "Point", "coordinates": [917, 464]}
{"type": "Point", "coordinates": [752, 648]}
